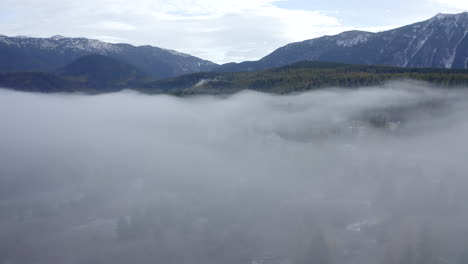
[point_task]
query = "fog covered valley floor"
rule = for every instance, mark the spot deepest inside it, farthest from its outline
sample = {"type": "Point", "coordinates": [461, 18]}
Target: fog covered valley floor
{"type": "Point", "coordinates": [371, 175]}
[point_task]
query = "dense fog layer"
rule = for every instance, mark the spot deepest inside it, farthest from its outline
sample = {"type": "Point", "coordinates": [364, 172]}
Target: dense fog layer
{"type": "Point", "coordinates": [372, 175]}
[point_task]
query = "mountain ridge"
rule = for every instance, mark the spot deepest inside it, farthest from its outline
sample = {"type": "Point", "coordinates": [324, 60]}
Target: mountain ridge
{"type": "Point", "coordinates": [302, 76]}
{"type": "Point", "coordinates": [439, 42]}
{"type": "Point", "coordinates": [49, 54]}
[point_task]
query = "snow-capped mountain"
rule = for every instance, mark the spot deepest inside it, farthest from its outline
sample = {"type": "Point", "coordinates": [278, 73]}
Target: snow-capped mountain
{"type": "Point", "coordinates": [440, 42]}
{"type": "Point", "coordinates": [48, 54]}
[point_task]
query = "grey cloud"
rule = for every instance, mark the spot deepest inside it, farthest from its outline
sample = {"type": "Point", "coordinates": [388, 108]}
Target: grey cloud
{"type": "Point", "coordinates": [126, 177]}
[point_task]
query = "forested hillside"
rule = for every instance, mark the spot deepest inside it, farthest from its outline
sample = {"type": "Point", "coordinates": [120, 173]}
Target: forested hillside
{"type": "Point", "coordinates": [302, 76]}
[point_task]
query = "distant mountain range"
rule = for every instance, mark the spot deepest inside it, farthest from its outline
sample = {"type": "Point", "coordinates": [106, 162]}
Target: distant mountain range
{"type": "Point", "coordinates": [50, 54]}
{"type": "Point", "coordinates": [440, 42]}
{"type": "Point", "coordinates": [103, 72]}
{"type": "Point", "coordinates": [60, 64]}
{"type": "Point", "coordinates": [89, 74]}
{"type": "Point", "coordinates": [302, 76]}
{"type": "Point", "coordinates": [109, 75]}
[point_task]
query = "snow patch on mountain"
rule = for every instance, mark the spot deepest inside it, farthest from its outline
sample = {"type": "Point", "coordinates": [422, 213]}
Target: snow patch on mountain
{"type": "Point", "coordinates": [352, 41]}
{"type": "Point", "coordinates": [449, 61]}
{"type": "Point", "coordinates": [176, 53]}
{"type": "Point", "coordinates": [6, 40]}
{"type": "Point", "coordinates": [58, 37]}
{"type": "Point", "coordinates": [86, 45]}
{"type": "Point", "coordinates": [60, 43]}
{"type": "Point", "coordinates": [442, 16]}
{"type": "Point", "coordinates": [420, 43]}
{"type": "Point", "coordinates": [48, 45]}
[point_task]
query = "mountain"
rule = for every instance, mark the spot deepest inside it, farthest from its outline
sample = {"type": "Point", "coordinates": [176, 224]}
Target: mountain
{"type": "Point", "coordinates": [42, 82]}
{"type": "Point", "coordinates": [302, 76]}
{"type": "Point", "coordinates": [90, 74]}
{"type": "Point", "coordinates": [440, 42]}
{"type": "Point", "coordinates": [103, 72]}
{"type": "Point", "coordinates": [50, 54]}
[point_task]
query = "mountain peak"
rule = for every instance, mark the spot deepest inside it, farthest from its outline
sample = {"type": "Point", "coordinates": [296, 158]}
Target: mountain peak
{"type": "Point", "coordinates": [352, 38]}
{"type": "Point", "coordinates": [58, 37]}
{"type": "Point", "coordinates": [176, 53]}
{"type": "Point", "coordinates": [441, 16]}
{"type": "Point", "coordinates": [439, 42]}
{"type": "Point", "coordinates": [51, 53]}
{"type": "Point", "coordinates": [354, 32]}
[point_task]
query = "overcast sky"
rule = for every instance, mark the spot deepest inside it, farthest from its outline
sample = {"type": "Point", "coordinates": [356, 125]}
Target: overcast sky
{"type": "Point", "coordinates": [217, 30]}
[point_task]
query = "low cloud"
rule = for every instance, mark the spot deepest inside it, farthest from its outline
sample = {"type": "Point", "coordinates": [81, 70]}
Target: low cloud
{"type": "Point", "coordinates": [151, 178]}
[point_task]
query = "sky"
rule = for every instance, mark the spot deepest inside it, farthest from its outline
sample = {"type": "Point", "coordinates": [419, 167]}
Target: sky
{"type": "Point", "coordinates": [217, 30]}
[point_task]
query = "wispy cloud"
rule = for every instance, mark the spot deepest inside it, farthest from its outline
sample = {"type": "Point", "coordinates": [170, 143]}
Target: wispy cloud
{"type": "Point", "coordinates": [221, 31]}
{"type": "Point", "coordinates": [458, 5]}
{"type": "Point", "coordinates": [111, 25]}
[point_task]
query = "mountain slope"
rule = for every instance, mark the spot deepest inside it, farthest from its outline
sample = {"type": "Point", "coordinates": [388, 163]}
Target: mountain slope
{"type": "Point", "coordinates": [49, 54]}
{"type": "Point", "coordinates": [89, 74]}
{"type": "Point", "coordinates": [102, 72]}
{"type": "Point", "coordinates": [440, 42]}
{"type": "Point", "coordinates": [302, 76]}
{"type": "Point", "coordinates": [42, 82]}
